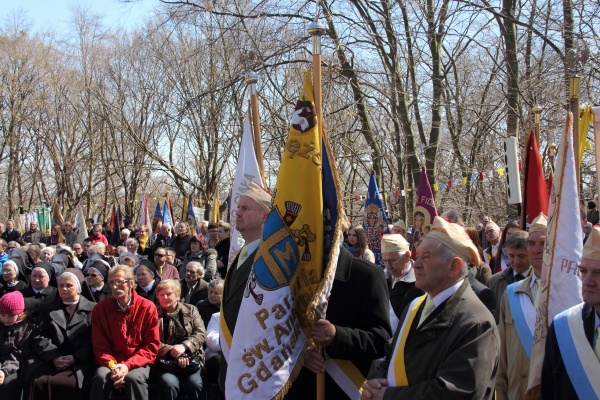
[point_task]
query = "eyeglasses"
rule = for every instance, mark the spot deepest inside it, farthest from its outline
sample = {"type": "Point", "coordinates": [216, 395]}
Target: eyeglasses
{"type": "Point", "coordinates": [159, 255]}
{"type": "Point", "coordinates": [392, 263]}
{"type": "Point", "coordinates": [191, 272]}
{"type": "Point", "coordinates": [92, 275]}
{"type": "Point", "coordinates": [118, 282]}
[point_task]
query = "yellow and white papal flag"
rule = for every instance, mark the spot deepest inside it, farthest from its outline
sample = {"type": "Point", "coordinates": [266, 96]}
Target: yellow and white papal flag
{"type": "Point", "coordinates": [289, 283]}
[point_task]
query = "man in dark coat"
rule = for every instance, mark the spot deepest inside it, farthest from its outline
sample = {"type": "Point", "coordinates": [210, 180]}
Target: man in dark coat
{"type": "Point", "coordinates": [11, 234]}
{"type": "Point", "coordinates": [253, 208]}
{"type": "Point", "coordinates": [557, 370]}
{"type": "Point", "coordinates": [193, 287]}
{"type": "Point", "coordinates": [395, 254]}
{"type": "Point", "coordinates": [33, 235]}
{"type": "Point", "coordinates": [446, 345]}
{"type": "Point", "coordinates": [357, 327]}
{"type": "Point", "coordinates": [520, 267]}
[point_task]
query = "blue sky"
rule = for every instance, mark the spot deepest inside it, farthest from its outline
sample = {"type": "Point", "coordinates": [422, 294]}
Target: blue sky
{"type": "Point", "coordinates": [55, 13]}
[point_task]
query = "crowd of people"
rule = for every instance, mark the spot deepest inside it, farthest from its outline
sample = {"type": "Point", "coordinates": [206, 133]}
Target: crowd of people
{"type": "Point", "coordinates": [97, 321]}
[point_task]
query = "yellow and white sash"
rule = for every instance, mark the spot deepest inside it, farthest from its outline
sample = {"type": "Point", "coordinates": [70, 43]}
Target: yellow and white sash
{"type": "Point", "coordinates": [224, 336]}
{"type": "Point", "coordinates": [397, 370]}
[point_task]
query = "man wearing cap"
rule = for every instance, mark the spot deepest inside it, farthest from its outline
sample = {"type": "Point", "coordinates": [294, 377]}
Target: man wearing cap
{"type": "Point", "coordinates": [399, 228]}
{"type": "Point", "coordinates": [253, 207]}
{"type": "Point", "coordinates": [395, 255]}
{"type": "Point", "coordinates": [520, 268]}
{"type": "Point", "coordinates": [572, 359]}
{"type": "Point", "coordinates": [446, 345]}
{"type": "Point", "coordinates": [517, 316]}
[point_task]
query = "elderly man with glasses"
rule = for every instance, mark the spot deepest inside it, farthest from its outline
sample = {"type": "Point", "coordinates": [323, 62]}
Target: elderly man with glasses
{"type": "Point", "coordinates": [395, 255]}
{"type": "Point", "coordinates": [125, 339]}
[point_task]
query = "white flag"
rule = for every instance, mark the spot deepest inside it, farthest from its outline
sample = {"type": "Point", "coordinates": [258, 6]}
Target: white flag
{"type": "Point", "coordinates": [561, 282]}
{"type": "Point", "coordinates": [246, 172]}
{"type": "Point", "coordinates": [144, 217]}
{"type": "Point", "coordinates": [79, 226]}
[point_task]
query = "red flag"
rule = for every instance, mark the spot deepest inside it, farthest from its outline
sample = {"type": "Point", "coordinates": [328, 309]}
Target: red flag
{"type": "Point", "coordinates": [535, 192]}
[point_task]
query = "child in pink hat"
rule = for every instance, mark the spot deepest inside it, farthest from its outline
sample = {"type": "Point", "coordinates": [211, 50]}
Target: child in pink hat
{"type": "Point", "coordinates": [15, 342]}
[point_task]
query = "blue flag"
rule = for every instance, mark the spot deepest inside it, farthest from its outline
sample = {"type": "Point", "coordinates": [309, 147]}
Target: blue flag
{"type": "Point", "coordinates": [375, 221]}
{"type": "Point", "coordinates": [167, 219]}
{"type": "Point", "coordinates": [330, 203]}
{"type": "Point", "coordinates": [190, 216]}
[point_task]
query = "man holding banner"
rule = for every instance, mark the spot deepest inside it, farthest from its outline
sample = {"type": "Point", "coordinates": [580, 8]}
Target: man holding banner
{"type": "Point", "coordinates": [252, 211]}
{"type": "Point", "coordinates": [572, 361]}
{"type": "Point", "coordinates": [446, 344]}
{"type": "Point", "coordinates": [354, 334]}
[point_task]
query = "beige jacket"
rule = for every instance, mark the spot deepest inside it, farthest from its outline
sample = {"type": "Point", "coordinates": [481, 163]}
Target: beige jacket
{"type": "Point", "coordinates": [513, 370]}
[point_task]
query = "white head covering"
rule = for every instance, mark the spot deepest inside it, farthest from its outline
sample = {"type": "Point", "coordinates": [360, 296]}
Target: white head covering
{"type": "Point", "coordinates": [455, 237]}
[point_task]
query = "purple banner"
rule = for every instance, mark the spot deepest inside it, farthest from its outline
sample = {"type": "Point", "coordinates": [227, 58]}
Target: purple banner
{"type": "Point", "coordinates": [424, 212]}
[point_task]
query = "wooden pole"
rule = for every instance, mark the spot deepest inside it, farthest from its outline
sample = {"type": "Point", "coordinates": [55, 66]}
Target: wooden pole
{"type": "Point", "coordinates": [316, 30]}
{"type": "Point", "coordinates": [536, 123]}
{"type": "Point", "coordinates": [574, 89]}
{"type": "Point", "coordinates": [251, 80]}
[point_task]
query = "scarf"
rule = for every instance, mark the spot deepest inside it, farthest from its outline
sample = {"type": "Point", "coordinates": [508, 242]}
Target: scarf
{"type": "Point", "coordinates": [175, 330]}
{"type": "Point", "coordinates": [143, 242]}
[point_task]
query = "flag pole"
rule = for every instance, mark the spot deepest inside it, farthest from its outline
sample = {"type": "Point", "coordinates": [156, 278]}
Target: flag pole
{"type": "Point", "coordinates": [536, 122]}
{"type": "Point", "coordinates": [316, 29]}
{"type": "Point", "coordinates": [251, 80]}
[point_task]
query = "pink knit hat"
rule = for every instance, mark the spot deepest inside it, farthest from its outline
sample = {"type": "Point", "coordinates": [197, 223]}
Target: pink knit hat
{"type": "Point", "coordinates": [12, 303]}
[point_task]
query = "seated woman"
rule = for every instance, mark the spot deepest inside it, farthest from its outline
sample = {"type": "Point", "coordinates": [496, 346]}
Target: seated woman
{"type": "Point", "coordinates": [146, 280]}
{"type": "Point", "coordinates": [212, 304]}
{"type": "Point", "coordinates": [40, 291]}
{"type": "Point", "coordinates": [15, 343]}
{"type": "Point", "coordinates": [10, 278]}
{"type": "Point", "coordinates": [181, 339]}
{"type": "Point", "coordinates": [63, 362]}
{"type": "Point", "coordinates": [95, 276]}
{"type": "Point", "coordinates": [200, 252]}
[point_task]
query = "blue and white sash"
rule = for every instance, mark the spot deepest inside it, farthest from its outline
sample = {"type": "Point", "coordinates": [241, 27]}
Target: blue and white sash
{"type": "Point", "coordinates": [580, 360]}
{"type": "Point", "coordinates": [523, 314]}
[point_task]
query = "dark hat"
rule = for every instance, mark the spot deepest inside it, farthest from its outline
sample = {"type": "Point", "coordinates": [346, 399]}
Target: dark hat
{"type": "Point", "coordinates": [148, 264]}
{"type": "Point", "coordinates": [100, 266]}
{"type": "Point", "coordinates": [50, 271]}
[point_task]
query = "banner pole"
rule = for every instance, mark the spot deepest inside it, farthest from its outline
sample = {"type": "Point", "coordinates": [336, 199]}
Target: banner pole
{"type": "Point", "coordinates": [316, 29]}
